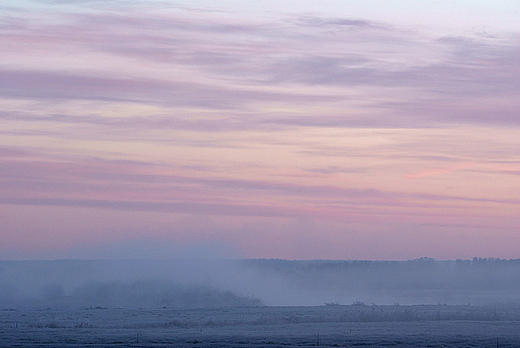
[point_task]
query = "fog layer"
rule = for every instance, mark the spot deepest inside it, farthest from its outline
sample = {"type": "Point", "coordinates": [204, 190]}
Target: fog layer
{"type": "Point", "coordinates": [212, 284]}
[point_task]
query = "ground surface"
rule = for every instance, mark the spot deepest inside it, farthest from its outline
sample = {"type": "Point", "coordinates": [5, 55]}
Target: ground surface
{"type": "Point", "coordinates": [328, 326]}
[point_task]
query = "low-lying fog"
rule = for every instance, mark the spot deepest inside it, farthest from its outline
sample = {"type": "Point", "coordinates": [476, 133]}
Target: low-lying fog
{"type": "Point", "coordinates": [210, 284]}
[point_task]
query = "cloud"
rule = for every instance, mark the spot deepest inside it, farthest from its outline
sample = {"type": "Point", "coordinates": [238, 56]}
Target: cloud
{"type": "Point", "coordinates": [335, 169]}
{"type": "Point", "coordinates": [143, 186]}
{"type": "Point", "coordinates": [13, 152]}
{"type": "Point", "coordinates": [420, 81]}
{"type": "Point", "coordinates": [167, 207]}
{"type": "Point", "coordinates": [228, 122]}
{"type": "Point", "coordinates": [349, 23]}
{"type": "Point", "coordinates": [440, 171]}
{"type": "Point", "coordinates": [50, 85]}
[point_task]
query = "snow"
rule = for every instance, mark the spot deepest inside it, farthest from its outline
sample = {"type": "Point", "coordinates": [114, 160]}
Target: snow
{"type": "Point", "coordinates": [352, 326]}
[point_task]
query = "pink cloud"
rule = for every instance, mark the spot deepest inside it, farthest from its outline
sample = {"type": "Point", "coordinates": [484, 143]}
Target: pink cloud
{"type": "Point", "coordinates": [440, 171]}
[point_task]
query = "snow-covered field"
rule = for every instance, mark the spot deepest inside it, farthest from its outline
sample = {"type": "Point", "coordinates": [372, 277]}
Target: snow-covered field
{"type": "Point", "coordinates": [329, 326]}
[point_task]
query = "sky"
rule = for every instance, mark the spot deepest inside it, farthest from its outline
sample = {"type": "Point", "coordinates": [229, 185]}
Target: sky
{"type": "Point", "coordinates": [370, 130]}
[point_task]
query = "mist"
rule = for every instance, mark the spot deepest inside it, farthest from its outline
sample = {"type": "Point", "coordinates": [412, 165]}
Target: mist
{"type": "Point", "coordinates": [179, 284]}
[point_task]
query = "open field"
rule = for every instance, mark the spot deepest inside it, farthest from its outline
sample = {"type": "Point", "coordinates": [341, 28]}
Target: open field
{"type": "Point", "coordinates": [329, 326]}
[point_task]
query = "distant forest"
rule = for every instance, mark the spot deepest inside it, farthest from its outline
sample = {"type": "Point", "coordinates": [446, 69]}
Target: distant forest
{"type": "Point", "coordinates": [422, 273]}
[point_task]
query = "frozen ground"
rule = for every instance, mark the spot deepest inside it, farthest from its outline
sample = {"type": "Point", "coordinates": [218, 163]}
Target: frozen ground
{"type": "Point", "coordinates": [329, 326]}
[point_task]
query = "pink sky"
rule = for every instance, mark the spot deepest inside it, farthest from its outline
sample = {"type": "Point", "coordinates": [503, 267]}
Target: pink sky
{"type": "Point", "coordinates": [179, 129]}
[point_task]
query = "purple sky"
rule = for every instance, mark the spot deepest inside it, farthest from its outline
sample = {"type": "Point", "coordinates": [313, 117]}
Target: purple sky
{"type": "Point", "coordinates": [300, 130]}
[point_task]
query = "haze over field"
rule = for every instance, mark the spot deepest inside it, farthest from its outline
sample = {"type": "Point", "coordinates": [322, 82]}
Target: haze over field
{"type": "Point", "coordinates": [188, 284]}
{"type": "Point", "coordinates": [304, 129]}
